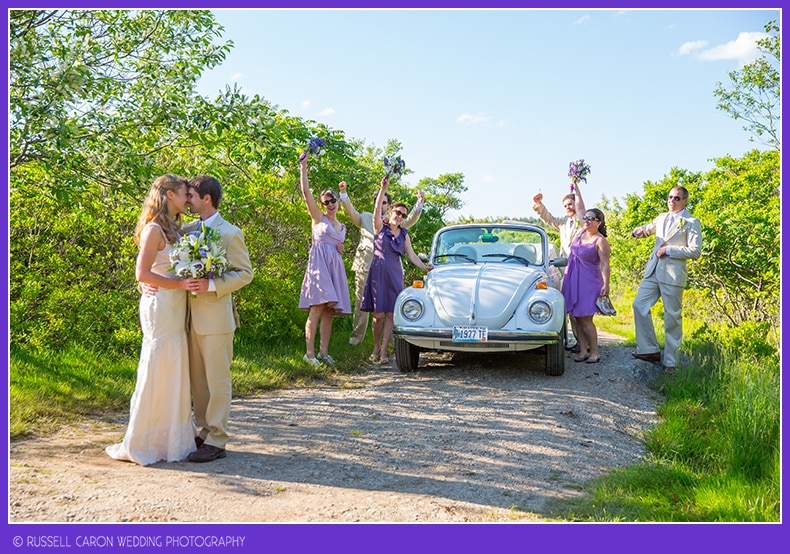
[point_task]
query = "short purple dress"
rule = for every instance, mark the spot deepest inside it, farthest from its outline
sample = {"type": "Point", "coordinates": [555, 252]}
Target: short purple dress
{"type": "Point", "coordinates": [325, 278]}
{"type": "Point", "coordinates": [582, 284]}
{"type": "Point", "coordinates": [385, 279]}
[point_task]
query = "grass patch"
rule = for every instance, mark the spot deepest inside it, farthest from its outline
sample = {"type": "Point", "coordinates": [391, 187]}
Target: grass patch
{"type": "Point", "coordinates": [715, 457]}
{"type": "Point", "coordinates": [670, 492]}
{"type": "Point", "coordinates": [49, 389]}
{"type": "Point", "coordinates": [621, 324]}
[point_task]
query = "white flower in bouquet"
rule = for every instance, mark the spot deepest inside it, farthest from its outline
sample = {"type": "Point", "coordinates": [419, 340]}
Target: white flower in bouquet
{"type": "Point", "coordinates": [199, 255]}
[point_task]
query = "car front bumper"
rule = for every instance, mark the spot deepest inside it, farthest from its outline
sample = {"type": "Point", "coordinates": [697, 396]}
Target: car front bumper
{"type": "Point", "coordinates": [442, 339]}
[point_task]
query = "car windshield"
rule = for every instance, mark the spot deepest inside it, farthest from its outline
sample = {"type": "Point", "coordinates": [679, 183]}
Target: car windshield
{"type": "Point", "coordinates": [489, 244]}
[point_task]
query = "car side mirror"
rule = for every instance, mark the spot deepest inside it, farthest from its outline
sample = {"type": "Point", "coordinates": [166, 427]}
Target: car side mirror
{"type": "Point", "coordinates": [423, 257]}
{"type": "Point", "coordinates": [559, 262]}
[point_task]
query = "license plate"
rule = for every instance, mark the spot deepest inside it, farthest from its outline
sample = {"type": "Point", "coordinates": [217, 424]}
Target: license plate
{"type": "Point", "coordinates": [473, 333]}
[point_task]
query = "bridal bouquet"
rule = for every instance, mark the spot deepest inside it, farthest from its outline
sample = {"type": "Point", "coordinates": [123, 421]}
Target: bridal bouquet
{"type": "Point", "coordinates": [199, 255]}
{"type": "Point", "coordinates": [394, 166]}
{"type": "Point", "coordinates": [578, 172]}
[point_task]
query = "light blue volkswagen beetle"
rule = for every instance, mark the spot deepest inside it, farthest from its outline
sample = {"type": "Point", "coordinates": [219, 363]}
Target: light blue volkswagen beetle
{"type": "Point", "coordinates": [493, 288]}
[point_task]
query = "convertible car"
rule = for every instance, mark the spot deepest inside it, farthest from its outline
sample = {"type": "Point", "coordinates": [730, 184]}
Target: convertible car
{"type": "Point", "coordinates": [490, 291]}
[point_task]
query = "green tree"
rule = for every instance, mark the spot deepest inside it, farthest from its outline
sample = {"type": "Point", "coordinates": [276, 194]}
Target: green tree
{"type": "Point", "coordinates": [756, 90]}
{"type": "Point", "coordinates": [441, 196]}
{"type": "Point", "coordinates": [740, 210]}
{"type": "Point", "coordinates": [629, 255]}
{"type": "Point", "coordinates": [443, 192]}
{"type": "Point", "coordinates": [95, 95]}
{"type": "Point", "coordinates": [103, 101]}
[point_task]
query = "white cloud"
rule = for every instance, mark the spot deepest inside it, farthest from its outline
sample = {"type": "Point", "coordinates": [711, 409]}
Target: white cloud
{"type": "Point", "coordinates": [305, 104]}
{"type": "Point", "coordinates": [689, 47]}
{"type": "Point", "coordinates": [743, 49]}
{"type": "Point", "coordinates": [488, 178]}
{"type": "Point", "coordinates": [327, 111]}
{"type": "Point", "coordinates": [582, 20]}
{"type": "Point", "coordinates": [236, 76]}
{"type": "Point", "coordinates": [473, 119]}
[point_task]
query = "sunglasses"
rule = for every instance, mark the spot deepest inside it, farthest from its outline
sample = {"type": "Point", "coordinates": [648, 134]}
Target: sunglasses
{"type": "Point", "coordinates": [590, 218]}
{"type": "Point", "coordinates": [399, 213]}
{"type": "Point", "coordinates": [330, 201]}
{"type": "Point", "coordinates": [675, 198]}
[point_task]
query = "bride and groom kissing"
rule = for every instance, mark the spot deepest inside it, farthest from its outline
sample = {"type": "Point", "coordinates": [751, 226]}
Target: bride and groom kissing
{"type": "Point", "coordinates": [181, 402]}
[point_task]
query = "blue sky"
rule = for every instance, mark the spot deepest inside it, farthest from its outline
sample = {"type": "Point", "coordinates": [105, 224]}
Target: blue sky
{"type": "Point", "coordinates": [506, 97]}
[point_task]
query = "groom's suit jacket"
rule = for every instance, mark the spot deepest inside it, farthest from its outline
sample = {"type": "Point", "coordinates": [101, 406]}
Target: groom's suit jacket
{"type": "Point", "coordinates": [212, 313]}
{"type": "Point", "coordinates": [684, 240]}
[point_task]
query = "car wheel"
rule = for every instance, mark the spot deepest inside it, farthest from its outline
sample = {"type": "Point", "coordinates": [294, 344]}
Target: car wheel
{"type": "Point", "coordinates": [407, 355]}
{"type": "Point", "coordinates": [555, 358]}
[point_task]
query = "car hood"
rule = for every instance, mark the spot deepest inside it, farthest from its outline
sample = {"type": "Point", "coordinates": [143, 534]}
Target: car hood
{"type": "Point", "coordinates": [482, 294]}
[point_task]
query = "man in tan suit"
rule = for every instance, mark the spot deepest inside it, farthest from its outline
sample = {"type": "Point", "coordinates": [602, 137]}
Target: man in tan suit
{"type": "Point", "coordinates": [678, 238]}
{"type": "Point", "coordinates": [212, 321]}
{"type": "Point", "coordinates": [364, 256]}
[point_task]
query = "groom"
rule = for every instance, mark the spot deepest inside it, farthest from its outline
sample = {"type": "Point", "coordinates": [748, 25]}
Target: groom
{"type": "Point", "coordinates": [211, 322]}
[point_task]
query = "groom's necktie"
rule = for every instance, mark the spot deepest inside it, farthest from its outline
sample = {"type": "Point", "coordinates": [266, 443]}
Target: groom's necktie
{"type": "Point", "coordinates": [669, 223]}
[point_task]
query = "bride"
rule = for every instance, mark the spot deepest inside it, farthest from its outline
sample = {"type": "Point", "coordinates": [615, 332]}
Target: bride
{"type": "Point", "coordinates": [160, 418]}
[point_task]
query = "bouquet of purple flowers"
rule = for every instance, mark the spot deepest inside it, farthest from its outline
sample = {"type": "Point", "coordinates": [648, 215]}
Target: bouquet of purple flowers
{"type": "Point", "coordinates": [317, 146]}
{"type": "Point", "coordinates": [578, 172]}
{"type": "Point", "coordinates": [394, 166]}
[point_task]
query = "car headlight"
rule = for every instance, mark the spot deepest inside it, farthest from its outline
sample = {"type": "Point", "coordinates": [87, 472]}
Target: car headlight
{"type": "Point", "coordinates": [412, 309]}
{"type": "Point", "coordinates": [540, 311]}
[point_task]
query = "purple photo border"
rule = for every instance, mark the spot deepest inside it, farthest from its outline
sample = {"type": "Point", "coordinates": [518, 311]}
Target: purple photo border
{"type": "Point", "coordinates": [646, 538]}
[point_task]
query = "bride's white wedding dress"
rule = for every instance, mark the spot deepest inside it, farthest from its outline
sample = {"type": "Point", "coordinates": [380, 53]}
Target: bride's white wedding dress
{"type": "Point", "coordinates": [160, 418]}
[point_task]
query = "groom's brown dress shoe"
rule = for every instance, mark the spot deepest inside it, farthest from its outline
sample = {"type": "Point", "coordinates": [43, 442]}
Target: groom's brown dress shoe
{"type": "Point", "coordinates": [207, 453]}
{"type": "Point", "coordinates": [199, 441]}
{"type": "Point", "coordinates": [654, 357]}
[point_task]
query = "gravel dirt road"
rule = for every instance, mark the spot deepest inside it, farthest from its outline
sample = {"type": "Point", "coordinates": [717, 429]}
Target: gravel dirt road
{"type": "Point", "coordinates": [464, 439]}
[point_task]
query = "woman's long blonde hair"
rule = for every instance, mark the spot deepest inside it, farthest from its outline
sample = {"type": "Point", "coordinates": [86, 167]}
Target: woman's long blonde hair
{"type": "Point", "coordinates": [155, 208]}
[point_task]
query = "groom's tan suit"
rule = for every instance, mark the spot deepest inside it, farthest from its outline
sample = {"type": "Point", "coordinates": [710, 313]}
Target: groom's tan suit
{"type": "Point", "coordinates": [211, 322]}
{"type": "Point", "coordinates": [665, 278]}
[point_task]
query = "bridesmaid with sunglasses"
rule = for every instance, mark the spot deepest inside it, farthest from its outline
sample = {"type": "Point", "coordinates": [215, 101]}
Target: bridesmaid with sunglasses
{"type": "Point", "coordinates": [587, 279]}
{"type": "Point", "coordinates": [385, 279]}
{"type": "Point", "coordinates": [325, 286]}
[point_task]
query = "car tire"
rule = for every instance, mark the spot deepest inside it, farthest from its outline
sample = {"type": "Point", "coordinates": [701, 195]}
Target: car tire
{"type": "Point", "coordinates": [407, 355]}
{"type": "Point", "coordinates": [555, 358]}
